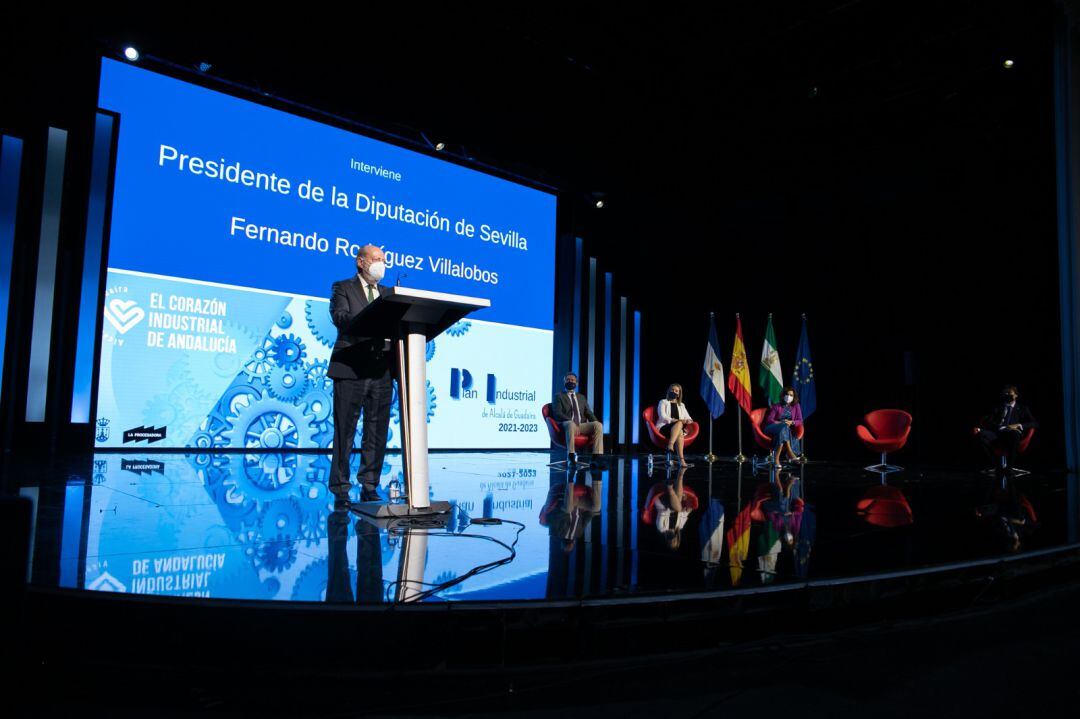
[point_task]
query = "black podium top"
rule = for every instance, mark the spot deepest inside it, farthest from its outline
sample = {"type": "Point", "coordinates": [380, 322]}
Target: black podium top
{"type": "Point", "coordinates": [426, 311]}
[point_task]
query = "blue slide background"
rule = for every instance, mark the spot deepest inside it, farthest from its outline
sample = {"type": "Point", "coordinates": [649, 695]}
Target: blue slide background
{"type": "Point", "coordinates": [263, 384]}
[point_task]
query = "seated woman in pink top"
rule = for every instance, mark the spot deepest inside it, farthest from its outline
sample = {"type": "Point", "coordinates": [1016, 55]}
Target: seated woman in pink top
{"type": "Point", "coordinates": [780, 423]}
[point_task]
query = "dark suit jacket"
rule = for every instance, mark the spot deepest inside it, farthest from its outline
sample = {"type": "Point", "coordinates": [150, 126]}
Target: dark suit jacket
{"type": "Point", "coordinates": [563, 412]}
{"type": "Point", "coordinates": [353, 356]}
{"type": "Point", "coordinates": [1020, 415]}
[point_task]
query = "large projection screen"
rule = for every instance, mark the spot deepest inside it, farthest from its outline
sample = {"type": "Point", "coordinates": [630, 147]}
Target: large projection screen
{"type": "Point", "coordinates": [230, 221]}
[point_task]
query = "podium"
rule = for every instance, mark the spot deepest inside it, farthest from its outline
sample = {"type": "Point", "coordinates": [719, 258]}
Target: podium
{"type": "Point", "coordinates": [410, 318]}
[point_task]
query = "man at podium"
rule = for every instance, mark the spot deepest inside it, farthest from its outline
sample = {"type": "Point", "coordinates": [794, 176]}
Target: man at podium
{"type": "Point", "coordinates": [360, 368]}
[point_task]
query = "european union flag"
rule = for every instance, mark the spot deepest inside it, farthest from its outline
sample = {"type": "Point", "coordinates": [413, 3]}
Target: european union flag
{"type": "Point", "coordinates": [802, 378]}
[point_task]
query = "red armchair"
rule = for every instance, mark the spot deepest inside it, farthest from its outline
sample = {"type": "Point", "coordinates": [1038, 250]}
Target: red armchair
{"type": "Point", "coordinates": [885, 506]}
{"type": "Point", "coordinates": [690, 502]}
{"type": "Point", "coordinates": [757, 418]}
{"type": "Point", "coordinates": [884, 430]}
{"type": "Point", "coordinates": [1001, 452]}
{"type": "Point", "coordinates": [649, 415]}
{"type": "Point", "coordinates": [555, 431]}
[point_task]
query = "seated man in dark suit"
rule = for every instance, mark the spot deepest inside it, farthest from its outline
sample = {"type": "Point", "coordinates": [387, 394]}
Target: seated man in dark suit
{"type": "Point", "coordinates": [1005, 425]}
{"type": "Point", "coordinates": [571, 410]}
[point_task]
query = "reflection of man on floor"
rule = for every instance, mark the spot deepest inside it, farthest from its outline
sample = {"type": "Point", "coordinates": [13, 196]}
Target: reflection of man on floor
{"type": "Point", "coordinates": [369, 581]}
{"type": "Point", "coordinates": [570, 506]}
{"type": "Point", "coordinates": [571, 410]}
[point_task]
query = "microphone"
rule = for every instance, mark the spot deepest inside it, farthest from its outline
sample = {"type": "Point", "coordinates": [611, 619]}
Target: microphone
{"type": "Point", "coordinates": [398, 283]}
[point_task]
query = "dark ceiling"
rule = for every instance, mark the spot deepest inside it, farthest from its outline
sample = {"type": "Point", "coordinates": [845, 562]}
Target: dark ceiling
{"type": "Point", "coordinates": [593, 98]}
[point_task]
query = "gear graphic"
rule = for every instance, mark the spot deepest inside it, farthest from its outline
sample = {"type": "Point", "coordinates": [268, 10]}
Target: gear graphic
{"type": "Point", "coordinates": [210, 432]}
{"type": "Point", "coordinates": [258, 364]}
{"type": "Point", "coordinates": [319, 322]}
{"type": "Point", "coordinates": [271, 585]}
{"type": "Point", "coordinates": [202, 439]}
{"type": "Point", "coordinates": [269, 423]}
{"type": "Point", "coordinates": [310, 585]}
{"type": "Point", "coordinates": [281, 517]}
{"type": "Point", "coordinates": [429, 351]}
{"type": "Point", "coordinates": [459, 328]}
{"type": "Point", "coordinates": [238, 395]}
{"type": "Point", "coordinates": [187, 399]}
{"type": "Point", "coordinates": [431, 401]}
{"type": "Point", "coordinates": [277, 555]}
{"type": "Point", "coordinates": [288, 351]}
{"type": "Point", "coordinates": [159, 411]}
{"type": "Point", "coordinates": [262, 477]}
{"type": "Point", "coordinates": [287, 383]}
{"type": "Point", "coordinates": [229, 365]}
{"type": "Point", "coordinates": [216, 475]}
{"type": "Point", "coordinates": [226, 365]}
{"type": "Point", "coordinates": [447, 576]}
{"type": "Point", "coordinates": [178, 372]}
{"type": "Point", "coordinates": [315, 504]}
{"type": "Point", "coordinates": [317, 377]}
{"type": "Point", "coordinates": [319, 405]}
{"type": "Point", "coordinates": [285, 321]}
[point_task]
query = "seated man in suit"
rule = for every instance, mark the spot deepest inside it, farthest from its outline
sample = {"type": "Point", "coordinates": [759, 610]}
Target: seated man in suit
{"type": "Point", "coordinates": [571, 410]}
{"type": "Point", "coordinates": [1005, 425]}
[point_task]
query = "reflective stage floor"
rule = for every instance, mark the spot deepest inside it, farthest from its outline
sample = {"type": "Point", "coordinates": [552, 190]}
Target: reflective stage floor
{"type": "Point", "coordinates": [263, 527]}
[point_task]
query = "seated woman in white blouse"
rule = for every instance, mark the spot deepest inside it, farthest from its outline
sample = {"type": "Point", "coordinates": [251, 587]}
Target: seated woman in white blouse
{"type": "Point", "coordinates": [671, 418]}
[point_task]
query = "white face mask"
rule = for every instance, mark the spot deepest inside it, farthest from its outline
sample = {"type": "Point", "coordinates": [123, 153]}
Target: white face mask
{"type": "Point", "coordinates": [376, 270]}
{"type": "Point", "coordinates": [788, 399]}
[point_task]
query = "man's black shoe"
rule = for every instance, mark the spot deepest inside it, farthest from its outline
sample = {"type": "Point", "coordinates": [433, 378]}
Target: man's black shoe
{"type": "Point", "coordinates": [341, 502]}
{"type": "Point", "coordinates": [369, 494]}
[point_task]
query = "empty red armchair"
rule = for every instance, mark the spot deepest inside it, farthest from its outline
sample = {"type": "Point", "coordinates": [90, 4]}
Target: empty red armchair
{"type": "Point", "coordinates": [555, 430]}
{"type": "Point", "coordinates": [649, 415]}
{"type": "Point", "coordinates": [884, 431]}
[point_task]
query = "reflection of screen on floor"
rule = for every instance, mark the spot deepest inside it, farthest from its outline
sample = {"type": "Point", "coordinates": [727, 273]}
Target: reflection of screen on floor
{"type": "Point", "coordinates": [253, 526]}
{"type": "Point", "coordinates": [230, 220]}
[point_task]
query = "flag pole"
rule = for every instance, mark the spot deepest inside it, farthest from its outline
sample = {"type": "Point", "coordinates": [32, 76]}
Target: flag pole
{"type": "Point", "coordinates": [740, 457]}
{"type": "Point", "coordinates": [802, 443]}
{"type": "Point", "coordinates": [710, 457]}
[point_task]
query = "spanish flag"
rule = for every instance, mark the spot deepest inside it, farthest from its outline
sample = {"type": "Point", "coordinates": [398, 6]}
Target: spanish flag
{"type": "Point", "coordinates": [738, 542]}
{"type": "Point", "coordinates": [738, 380]}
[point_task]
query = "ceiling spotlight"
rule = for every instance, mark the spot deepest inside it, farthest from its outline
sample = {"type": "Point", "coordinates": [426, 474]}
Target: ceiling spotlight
{"type": "Point", "coordinates": [204, 66]}
{"type": "Point", "coordinates": [440, 146]}
{"type": "Point", "coordinates": [1008, 64]}
{"type": "Point", "coordinates": [131, 53]}
{"type": "Point", "coordinates": [599, 204]}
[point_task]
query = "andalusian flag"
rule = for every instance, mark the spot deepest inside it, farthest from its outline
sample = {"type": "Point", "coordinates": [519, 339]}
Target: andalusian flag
{"type": "Point", "coordinates": [770, 378]}
{"type": "Point", "coordinates": [738, 381]}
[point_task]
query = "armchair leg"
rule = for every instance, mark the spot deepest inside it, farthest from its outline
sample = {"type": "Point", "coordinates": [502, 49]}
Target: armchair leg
{"type": "Point", "coordinates": [883, 467]}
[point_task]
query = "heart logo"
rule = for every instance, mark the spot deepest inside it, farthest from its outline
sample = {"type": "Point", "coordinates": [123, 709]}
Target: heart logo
{"type": "Point", "coordinates": [123, 314]}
